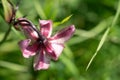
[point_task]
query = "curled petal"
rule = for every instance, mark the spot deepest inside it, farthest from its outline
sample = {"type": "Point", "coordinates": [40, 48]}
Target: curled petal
{"type": "Point", "coordinates": [57, 48]}
{"type": "Point", "coordinates": [50, 51]}
{"type": "Point", "coordinates": [54, 50]}
{"type": "Point", "coordinates": [42, 61]}
{"type": "Point", "coordinates": [27, 28]}
{"type": "Point", "coordinates": [63, 35]}
{"type": "Point", "coordinates": [26, 49]}
{"type": "Point", "coordinates": [46, 27]}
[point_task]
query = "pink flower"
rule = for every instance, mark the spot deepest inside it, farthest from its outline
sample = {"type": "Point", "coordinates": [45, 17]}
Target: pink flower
{"type": "Point", "coordinates": [40, 43]}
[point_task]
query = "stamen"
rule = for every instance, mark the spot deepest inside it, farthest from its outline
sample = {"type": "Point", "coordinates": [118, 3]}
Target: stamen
{"type": "Point", "coordinates": [41, 38]}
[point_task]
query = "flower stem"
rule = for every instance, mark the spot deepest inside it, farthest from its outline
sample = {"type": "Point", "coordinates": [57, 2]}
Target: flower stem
{"type": "Point", "coordinates": [6, 35]}
{"type": "Point", "coordinates": [34, 74]}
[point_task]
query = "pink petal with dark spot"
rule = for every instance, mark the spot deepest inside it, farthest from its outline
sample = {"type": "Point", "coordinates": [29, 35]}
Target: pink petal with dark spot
{"type": "Point", "coordinates": [45, 27]}
{"type": "Point", "coordinates": [54, 49]}
{"type": "Point", "coordinates": [50, 51]}
{"type": "Point", "coordinates": [57, 49]}
{"type": "Point", "coordinates": [26, 49]}
{"type": "Point", "coordinates": [42, 60]}
{"type": "Point", "coordinates": [63, 35]}
{"type": "Point", "coordinates": [28, 31]}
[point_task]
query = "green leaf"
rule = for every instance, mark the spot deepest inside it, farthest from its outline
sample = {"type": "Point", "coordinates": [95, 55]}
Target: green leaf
{"type": "Point", "coordinates": [84, 35]}
{"type": "Point", "coordinates": [68, 52]}
{"type": "Point", "coordinates": [70, 65]}
{"type": "Point", "coordinates": [66, 19]}
{"type": "Point", "coordinates": [63, 21]}
{"type": "Point", "coordinates": [13, 66]}
{"type": "Point", "coordinates": [105, 35]}
{"type": "Point", "coordinates": [39, 9]}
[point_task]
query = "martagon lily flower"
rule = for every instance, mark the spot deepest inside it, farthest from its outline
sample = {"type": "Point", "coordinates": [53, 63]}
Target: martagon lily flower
{"type": "Point", "coordinates": [40, 44]}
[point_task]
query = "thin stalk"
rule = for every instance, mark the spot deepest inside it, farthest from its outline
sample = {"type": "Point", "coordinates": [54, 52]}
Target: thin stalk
{"type": "Point", "coordinates": [6, 35]}
{"type": "Point", "coordinates": [105, 35]}
{"type": "Point", "coordinates": [34, 74]}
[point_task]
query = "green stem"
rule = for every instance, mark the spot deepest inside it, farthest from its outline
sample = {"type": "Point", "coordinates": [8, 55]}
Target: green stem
{"type": "Point", "coordinates": [6, 35]}
{"type": "Point", "coordinates": [34, 74]}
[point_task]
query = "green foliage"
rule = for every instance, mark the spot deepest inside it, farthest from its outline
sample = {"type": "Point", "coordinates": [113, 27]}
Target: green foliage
{"type": "Point", "coordinates": [105, 34]}
{"type": "Point", "coordinates": [97, 31]}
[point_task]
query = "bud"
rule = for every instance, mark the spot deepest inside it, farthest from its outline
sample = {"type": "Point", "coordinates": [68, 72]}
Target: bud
{"type": "Point", "coordinates": [9, 11]}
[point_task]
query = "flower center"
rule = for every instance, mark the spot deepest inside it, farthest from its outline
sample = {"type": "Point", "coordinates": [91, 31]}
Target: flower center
{"type": "Point", "coordinates": [41, 40]}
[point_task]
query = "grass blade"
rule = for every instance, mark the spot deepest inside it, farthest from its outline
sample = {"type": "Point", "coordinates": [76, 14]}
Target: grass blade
{"type": "Point", "coordinates": [13, 66]}
{"type": "Point", "coordinates": [84, 35]}
{"type": "Point", "coordinates": [39, 9]}
{"type": "Point", "coordinates": [63, 21]}
{"type": "Point", "coordinates": [105, 36]}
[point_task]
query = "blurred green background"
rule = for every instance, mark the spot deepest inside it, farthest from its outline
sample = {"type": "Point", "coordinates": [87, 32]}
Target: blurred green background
{"type": "Point", "coordinates": [91, 19]}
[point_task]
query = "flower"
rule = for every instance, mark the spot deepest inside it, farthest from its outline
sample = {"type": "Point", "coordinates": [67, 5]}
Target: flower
{"type": "Point", "coordinates": [40, 43]}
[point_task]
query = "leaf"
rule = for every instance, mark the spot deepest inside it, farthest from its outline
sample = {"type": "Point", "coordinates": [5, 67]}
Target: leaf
{"type": "Point", "coordinates": [84, 35]}
{"type": "Point", "coordinates": [68, 52]}
{"type": "Point", "coordinates": [66, 19]}
{"type": "Point", "coordinates": [105, 35]}
{"type": "Point", "coordinates": [70, 66]}
{"type": "Point", "coordinates": [13, 66]}
{"type": "Point", "coordinates": [39, 9]}
{"type": "Point", "coordinates": [63, 21]}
